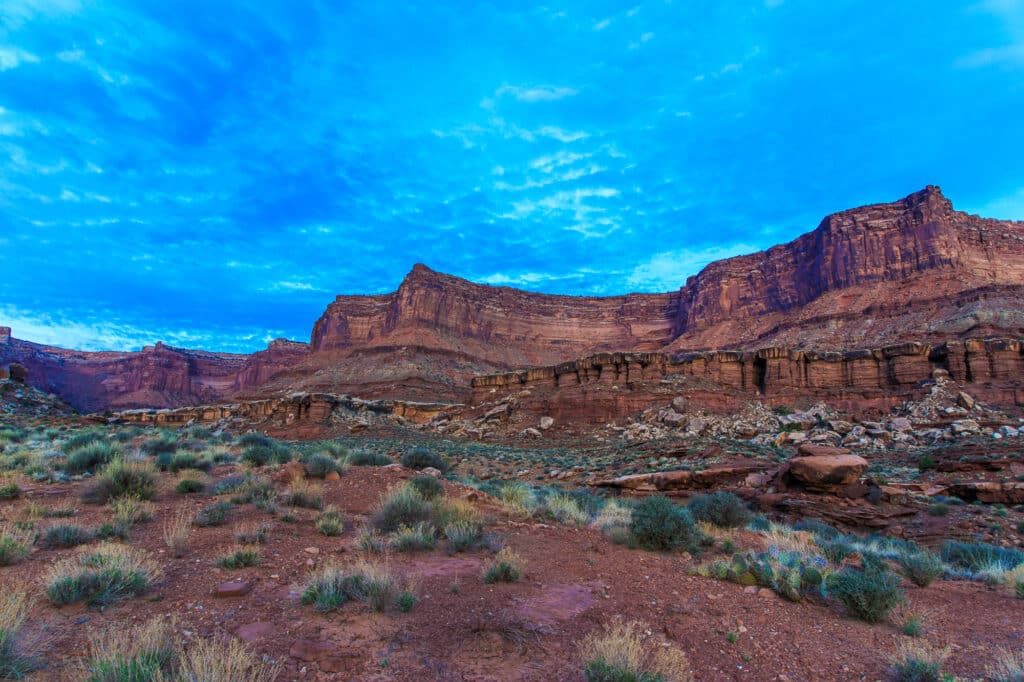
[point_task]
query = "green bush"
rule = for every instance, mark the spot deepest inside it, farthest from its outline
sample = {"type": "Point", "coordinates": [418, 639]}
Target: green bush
{"type": "Point", "coordinates": [977, 556]}
{"type": "Point", "coordinates": [261, 455]}
{"type": "Point", "coordinates": [721, 509]}
{"type": "Point", "coordinates": [242, 557]}
{"type": "Point", "coordinates": [213, 514]}
{"type": "Point", "coordinates": [64, 535]}
{"type": "Point", "coordinates": [319, 465]}
{"type": "Point", "coordinates": [463, 535]}
{"type": "Point", "coordinates": [507, 567]}
{"type": "Point", "coordinates": [401, 506]}
{"type": "Point", "coordinates": [121, 478]}
{"type": "Point", "coordinates": [331, 586]}
{"type": "Point", "coordinates": [427, 486]}
{"type": "Point", "coordinates": [926, 462]}
{"type": "Point", "coordinates": [416, 538]}
{"type": "Point", "coordinates": [88, 458]}
{"type": "Point", "coordinates": [254, 438]}
{"type": "Point", "coordinates": [330, 522]}
{"type": "Point", "coordinates": [14, 547]}
{"type": "Point", "coordinates": [183, 459]}
{"type": "Point", "coordinates": [406, 601]}
{"type": "Point", "coordinates": [869, 594]}
{"type": "Point", "coordinates": [367, 459]}
{"type": "Point", "coordinates": [420, 457]}
{"type": "Point", "coordinates": [159, 446]}
{"type": "Point", "coordinates": [80, 440]}
{"type": "Point", "coordinates": [9, 491]}
{"type": "Point", "coordinates": [836, 550]}
{"type": "Point", "coordinates": [922, 568]}
{"type": "Point", "coordinates": [659, 525]}
{"type": "Point", "coordinates": [101, 577]}
{"type": "Point", "coordinates": [938, 509]}
{"type": "Point", "coordinates": [189, 486]}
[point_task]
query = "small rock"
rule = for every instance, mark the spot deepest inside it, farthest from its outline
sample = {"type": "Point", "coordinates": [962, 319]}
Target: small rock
{"type": "Point", "coordinates": [232, 589]}
{"type": "Point", "coordinates": [546, 423]}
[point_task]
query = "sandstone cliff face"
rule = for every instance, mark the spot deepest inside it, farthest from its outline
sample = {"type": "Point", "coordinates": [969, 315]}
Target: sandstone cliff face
{"type": "Point", "coordinates": [156, 376]}
{"type": "Point", "coordinates": [911, 271]}
{"type": "Point", "coordinates": [885, 262]}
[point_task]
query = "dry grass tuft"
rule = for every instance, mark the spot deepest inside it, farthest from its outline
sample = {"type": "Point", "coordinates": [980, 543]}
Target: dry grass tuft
{"type": "Point", "coordinates": [627, 651]}
{"type": "Point", "coordinates": [121, 653]}
{"type": "Point", "coordinates": [212, 660]}
{"type": "Point", "coordinates": [176, 531]}
{"type": "Point", "coordinates": [1008, 667]}
{"type": "Point", "coordinates": [18, 655]}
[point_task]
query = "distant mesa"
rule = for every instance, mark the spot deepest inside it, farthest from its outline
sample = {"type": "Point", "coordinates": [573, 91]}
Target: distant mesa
{"type": "Point", "coordinates": [910, 271]}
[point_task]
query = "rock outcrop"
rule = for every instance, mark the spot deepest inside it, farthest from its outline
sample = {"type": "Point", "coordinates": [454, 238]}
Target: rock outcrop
{"type": "Point", "coordinates": [914, 283]}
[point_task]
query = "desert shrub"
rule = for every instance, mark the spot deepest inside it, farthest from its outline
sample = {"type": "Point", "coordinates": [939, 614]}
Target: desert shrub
{"type": "Point", "coordinates": [613, 514]}
{"type": "Point", "coordinates": [88, 458]}
{"type": "Point", "coordinates": [189, 486]}
{"type": "Point", "coordinates": [64, 535]}
{"type": "Point", "coordinates": [463, 535]}
{"type": "Point", "coordinates": [367, 459]}
{"type": "Point", "coordinates": [258, 455]}
{"type": "Point", "coordinates": [721, 509]}
{"type": "Point", "coordinates": [18, 657]}
{"type": "Point", "coordinates": [101, 576]}
{"type": "Point", "coordinates": [251, 533]}
{"type": "Point", "coordinates": [518, 497]}
{"type": "Point", "coordinates": [230, 484]}
{"type": "Point", "coordinates": [869, 594]}
{"type": "Point", "coordinates": [835, 550]}
{"type": "Point", "coordinates": [507, 567]}
{"type": "Point", "coordinates": [176, 530]}
{"type": "Point", "coordinates": [121, 478]}
{"type": "Point", "coordinates": [922, 567]}
{"type": "Point", "coordinates": [380, 586]}
{"type": "Point", "coordinates": [817, 528]}
{"type": "Point", "coordinates": [258, 491]}
{"type": "Point", "coordinates": [405, 601]}
{"type": "Point", "coordinates": [447, 511]}
{"type": "Point", "coordinates": [211, 660]}
{"type": "Point", "coordinates": [420, 457]}
{"type": "Point", "coordinates": [15, 544]}
{"type": "Point", "coordinates": [1008, 667]}
{"type": "Point", "coordinates": [621, 652]}
{"type": "Point", "coordinates": [919, 663]}
{"type": "Point", "coordinates": [183, 459]}
{"type": "Point", "coordinates": [253, 438]}
{"type": "Point", "coordinates": [139, 653]}
{"type": "Point", "coordinates": [332, 585]}
{"type": "Point", "coordinates": [129, 510]}
{"type": "Point", "coordinates": [416, 538]}
{"type": "Point", "coordinates": [80, 440]}
{"type": "Point", "coordinates": [330, 522]}
{"type": "Point", "coordinates": [657, 524]}
{"type": "Point", "coordinates": [163, 445]}
{"type": "Point", "coordinates": [566, 510]}
{"type": "Point", "coordinates": [372, 542]}
{"type": "Point", "coordinates": [319, 465]}
{"type": "Point", "coordinates": [401, 505]}
{"type": "Point", "coordinates": [979, 556]}
{"type": "Point", "coordinates": [427, 486]}
{"type": "Point", "coordinates": [938, 509]}
{"type": "Point", "coordinates": [212, 514]}
{"type": "Point", "coordinates": [926, 462]}
{"type": "Point", "coordinates": [243, 557]}
{"type": "Point", "coordinates": [303, 493]}
{"type": "Point", "coordinates": [9, 491]}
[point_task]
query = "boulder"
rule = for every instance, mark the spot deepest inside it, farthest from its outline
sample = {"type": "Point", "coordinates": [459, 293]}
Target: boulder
{"type": "Point", "coordinates": [679, 403]}
{"type": "Point", "coordinates": [546, 423]}
{"type": "Point", "coordinates": [18, 373]}
{"type": "Point", "coordinates": [965, 401]}
{"type": "Point", "coordinates": [830, 470]}
{"type": "Point", "coordinates": [816, 450]}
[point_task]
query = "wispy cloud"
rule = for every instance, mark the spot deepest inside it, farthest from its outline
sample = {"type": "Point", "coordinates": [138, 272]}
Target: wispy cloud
{"type": "Point", "coordinates": [537, 93]}
{"type": "Point", "coordinates": [669, 269]}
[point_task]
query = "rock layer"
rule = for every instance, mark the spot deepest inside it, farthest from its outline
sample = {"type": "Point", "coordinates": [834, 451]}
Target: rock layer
{"type": "Point", "coordinates": [915, 281]}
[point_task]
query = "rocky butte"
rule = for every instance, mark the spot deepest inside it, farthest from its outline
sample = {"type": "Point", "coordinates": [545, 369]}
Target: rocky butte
{"type": "Point", "coordinates": [864, 307]}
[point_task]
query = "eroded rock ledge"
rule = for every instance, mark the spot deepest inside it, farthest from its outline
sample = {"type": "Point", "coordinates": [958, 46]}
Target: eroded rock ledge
{"type": "Point", "coordinates": [992, 368]}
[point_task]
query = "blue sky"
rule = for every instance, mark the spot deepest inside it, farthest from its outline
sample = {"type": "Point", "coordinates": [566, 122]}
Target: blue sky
{"type": "Point", "coordinates": [213, 179]}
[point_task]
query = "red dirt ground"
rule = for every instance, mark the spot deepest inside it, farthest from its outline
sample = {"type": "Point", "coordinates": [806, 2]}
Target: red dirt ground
{"type": "Point", "coordinates": [575, 581]}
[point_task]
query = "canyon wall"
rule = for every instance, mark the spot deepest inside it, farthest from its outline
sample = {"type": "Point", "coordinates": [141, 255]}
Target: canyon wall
{"type": "Point", "coordinates": [612, 385]}
{"type": "Point", "coordinates": [913, 271]}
